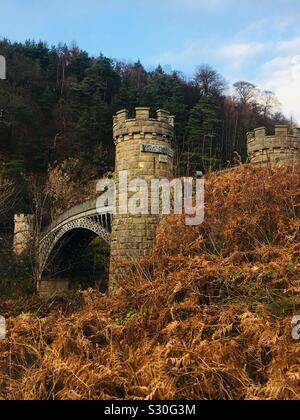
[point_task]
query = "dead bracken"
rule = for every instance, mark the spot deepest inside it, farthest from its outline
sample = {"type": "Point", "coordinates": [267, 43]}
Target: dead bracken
{"type": "Point", "coordinates": [206, 316]}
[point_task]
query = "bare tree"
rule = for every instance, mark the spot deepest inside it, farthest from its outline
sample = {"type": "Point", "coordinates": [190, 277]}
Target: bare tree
{"type": "Point", "coordinates": [43, 193]}
{"type": "Point", "coordinates": [40, 204]}
{"type": "Point", "coordinates": [7, 195]}
{"type": "Point", "coordinates": [269, 103]}
{"type": "Point", "coordinates": [209, 81]}
{"type": "Point", "coordinates": [246, 92]}
{"type": "Point", "coordinates": [279, 118]}
{"type": "Point", "coordinates": [65, 57]}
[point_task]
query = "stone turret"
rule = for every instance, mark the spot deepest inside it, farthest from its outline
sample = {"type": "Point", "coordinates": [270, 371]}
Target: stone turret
{"type": "Point", "coordinates": [282, 146]}
{"type": "Point", "coordinates": [144, 151]}
{"type": "Point", "coordinates": [23, 233]}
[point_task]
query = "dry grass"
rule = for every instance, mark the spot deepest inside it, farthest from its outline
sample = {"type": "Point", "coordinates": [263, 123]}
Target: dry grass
{"type": "Point", "coordinates": [208, 316]}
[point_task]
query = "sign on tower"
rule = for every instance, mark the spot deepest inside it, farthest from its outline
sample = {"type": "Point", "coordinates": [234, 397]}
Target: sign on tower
{"type": "Point", "coordinates": [2, 68]}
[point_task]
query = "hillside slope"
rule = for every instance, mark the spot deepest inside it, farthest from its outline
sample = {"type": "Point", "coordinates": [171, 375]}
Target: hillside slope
{"type": "Point", "coordinates": [208, 316]}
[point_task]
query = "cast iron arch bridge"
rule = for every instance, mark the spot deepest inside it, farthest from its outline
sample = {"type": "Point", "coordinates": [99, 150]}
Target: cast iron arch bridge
{"type": "Point", "coordinates": [73, 230]}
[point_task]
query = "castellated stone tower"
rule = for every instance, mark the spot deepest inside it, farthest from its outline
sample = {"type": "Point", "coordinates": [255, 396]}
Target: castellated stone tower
{"type": "Point", "coordinates": [144, 150]}
{"type": "Point", "coordinates": [276, 148]}
{"type": "Point", "coordinates": [23, 233]}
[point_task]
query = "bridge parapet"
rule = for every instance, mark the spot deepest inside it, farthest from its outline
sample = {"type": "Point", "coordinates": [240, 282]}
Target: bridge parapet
{"type": "Point", "coordinates": [280, 146]}
{"type": "Point", "coordinates": [80, 209]}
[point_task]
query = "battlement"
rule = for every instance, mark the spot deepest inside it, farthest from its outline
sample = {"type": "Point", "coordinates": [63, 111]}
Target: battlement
{"type": "Point", "coordinates": [282, 145]}
{"type": "Point", "coordinates": [23, 232]}
{"type": "Point", "coordinates": [142, 125]}
{"type": "Point", "coordinates": [25, 219]}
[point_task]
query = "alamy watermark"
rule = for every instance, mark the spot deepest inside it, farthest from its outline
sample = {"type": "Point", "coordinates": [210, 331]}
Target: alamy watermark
{"type": "Point", "coordinates": [2, 68]}
{"type": "Point", "coordinates": [3, 331]}
{"type": "Point", "coordinates": [156, 197]}
{"type": "Point", "coordinates": [296, 328]}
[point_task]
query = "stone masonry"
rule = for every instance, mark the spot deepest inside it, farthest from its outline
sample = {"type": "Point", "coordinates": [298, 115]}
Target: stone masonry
{"type": "Point", "coordinates": [52, 288]}
{"type": "Point", "coordinates": [23, 233]}
{"type": "Point", "coordinates": [279, 147]}
{"type": "Point", "coordinates": [144, 150]}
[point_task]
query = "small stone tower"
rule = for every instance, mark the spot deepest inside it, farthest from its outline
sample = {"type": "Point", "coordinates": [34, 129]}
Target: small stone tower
{"type": "Point", "coordinates": [23, 233]}
{"type": "Point", "coordinates": [144, 151]}
{"type": "Point", "coordinates": [275, 148]}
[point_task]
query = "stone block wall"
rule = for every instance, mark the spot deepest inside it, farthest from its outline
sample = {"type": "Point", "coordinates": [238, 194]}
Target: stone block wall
{"type": "Point", "coordinates": [280, 147]}
{"type": "Point", "coordinates": [51, 288]}
{"type": "Point", "coordinates": [144, 151]}
{"type": "Point", "coordinates": [23, 233]}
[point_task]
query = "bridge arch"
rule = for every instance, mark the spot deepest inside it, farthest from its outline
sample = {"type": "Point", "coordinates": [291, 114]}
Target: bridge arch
{"type": "Point", "coordinates": [74, 229]}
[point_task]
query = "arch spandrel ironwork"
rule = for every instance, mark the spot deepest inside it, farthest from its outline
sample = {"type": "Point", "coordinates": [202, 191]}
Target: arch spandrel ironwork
{"type": "Point", "coordinates": [97, 221]}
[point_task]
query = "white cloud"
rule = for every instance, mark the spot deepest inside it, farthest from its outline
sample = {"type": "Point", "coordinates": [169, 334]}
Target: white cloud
{"type": "Point", "coordinates": [238, 52]}
{"type": "Point", "coordinates": [290, 46]}
{"type": "Point", "coordinates": [279, 72]}
{"type": "Point", "coordinates": [195, 52]}
{"type": "Point", "coordinates": [282, 75]}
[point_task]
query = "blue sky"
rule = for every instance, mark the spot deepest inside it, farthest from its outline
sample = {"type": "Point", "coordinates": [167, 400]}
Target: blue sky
{"type": "Point", "coordinates": [257, 40]}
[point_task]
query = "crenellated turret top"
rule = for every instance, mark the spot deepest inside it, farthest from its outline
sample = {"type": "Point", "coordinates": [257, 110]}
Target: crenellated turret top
{"type": "Point", "coordinates": [142, 124]}
{"type": "Point", "coordinates": [281, 145]}
{"type": "Point", "coordinates": [281, 131]}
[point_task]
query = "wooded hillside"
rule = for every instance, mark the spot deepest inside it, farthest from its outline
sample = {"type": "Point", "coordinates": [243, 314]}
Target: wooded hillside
{"type": "Point", "coordinates": [58, 102]}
